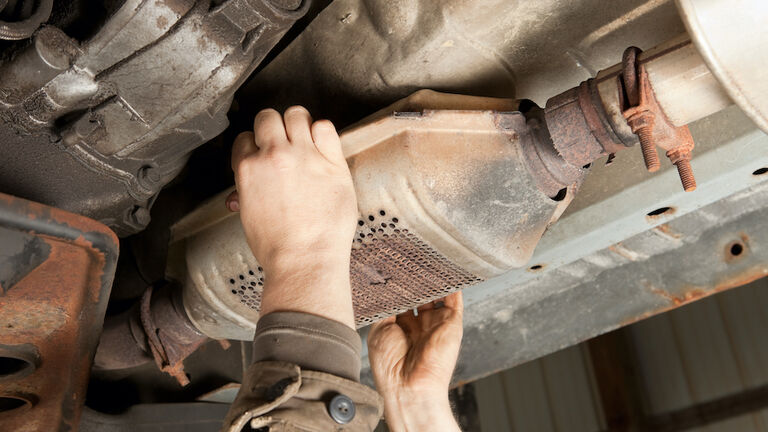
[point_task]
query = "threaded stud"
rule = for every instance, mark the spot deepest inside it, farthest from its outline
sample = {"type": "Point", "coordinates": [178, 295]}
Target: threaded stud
{"type": "Point", "coordinates": [686, 175]}
{"type": "Point", "coordinates": [648, 148]}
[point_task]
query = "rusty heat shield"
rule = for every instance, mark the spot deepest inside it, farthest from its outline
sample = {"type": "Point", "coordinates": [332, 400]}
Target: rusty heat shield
{"type": "Point", "coordinates": [451, 190]}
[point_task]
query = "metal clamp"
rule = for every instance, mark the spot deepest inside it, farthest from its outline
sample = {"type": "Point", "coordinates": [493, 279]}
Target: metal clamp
{"type": "Point", "coordinates": [646, 119]}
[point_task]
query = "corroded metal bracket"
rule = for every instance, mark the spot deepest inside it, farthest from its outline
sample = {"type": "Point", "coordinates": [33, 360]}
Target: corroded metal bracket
{"type": "Point", "coordinates": [646, 119]}
{"type": "Point", "coordinates": [56, 271]}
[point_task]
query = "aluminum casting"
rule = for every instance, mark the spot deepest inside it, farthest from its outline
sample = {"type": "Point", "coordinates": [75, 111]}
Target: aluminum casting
{"type": "Point", "coordinates": [25, 27]}
{"type": "Point", "coordinates": [98, 127]}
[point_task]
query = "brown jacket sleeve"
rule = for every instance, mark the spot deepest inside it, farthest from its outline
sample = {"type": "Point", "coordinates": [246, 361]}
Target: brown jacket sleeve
{"type": "Point", "coordinates": [305, 377]}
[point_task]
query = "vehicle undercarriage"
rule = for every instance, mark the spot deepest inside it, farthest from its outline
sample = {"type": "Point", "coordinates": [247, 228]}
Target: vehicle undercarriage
{"type": "Point", "coordinates": [572, 166]}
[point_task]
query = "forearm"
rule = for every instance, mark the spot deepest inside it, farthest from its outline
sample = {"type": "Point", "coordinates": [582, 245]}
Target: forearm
{"type": "Point", "coordinates": [317, 283]}
{"type": "Point", "coordinates": [410, 413]}
{"type": "Point", "coordinates": [306, 314]}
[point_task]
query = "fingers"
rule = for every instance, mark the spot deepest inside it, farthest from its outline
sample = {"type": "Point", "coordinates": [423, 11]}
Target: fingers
{"type": "Point", "coordinates": [451, 313]}
{"type": "Point", "coordinates": [233, 202]}
{"type": "Point", "coordinates": [242, 147]}
{"type": "Point", "coordinates": [410, 323]}
{"type": "Point", "coordinates": [428, 306]}
{"type": "Point", "coordinates": [384, 334]}
{"type": "Point", "coordinates": [327, 140]}
{"type": "Point", "coordinates": [455, 302]}
{"type": "Point", "coordinates": [269, 129]}
{"type": "Point", "coordinates": [378, 326]}
{"type": "Point", "coordinates": [297, 125]}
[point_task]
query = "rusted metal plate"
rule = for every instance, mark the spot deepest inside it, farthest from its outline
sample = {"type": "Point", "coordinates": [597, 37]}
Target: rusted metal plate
{"type": "Point", "coordinates": [56, 271]}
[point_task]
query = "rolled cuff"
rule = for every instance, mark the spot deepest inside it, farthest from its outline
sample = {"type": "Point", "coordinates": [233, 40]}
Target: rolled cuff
{"type": "Point", "coordinates": [309, 341]}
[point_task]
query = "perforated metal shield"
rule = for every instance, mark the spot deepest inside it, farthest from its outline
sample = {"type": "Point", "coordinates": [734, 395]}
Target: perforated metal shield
{"type": "Point", "coordinates": [393, 270]}
{"type": "Point", "coordinates": [446, 199]}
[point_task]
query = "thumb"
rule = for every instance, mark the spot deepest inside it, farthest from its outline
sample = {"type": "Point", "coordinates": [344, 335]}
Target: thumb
{"type": "Point", "coordinates": [233, 202]}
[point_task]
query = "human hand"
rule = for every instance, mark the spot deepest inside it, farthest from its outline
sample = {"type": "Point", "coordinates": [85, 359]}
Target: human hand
{"type": "Point", "coordinates": [298, 209]}
{"type": "Point", "coordinates": [412, 359]}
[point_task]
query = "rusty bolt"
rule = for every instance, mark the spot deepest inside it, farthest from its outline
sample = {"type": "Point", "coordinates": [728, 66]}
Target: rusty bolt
{"type": "Point", "coordinates": [686, 174]}
{"type": "Point", "coordinates": [639, 117]}
{"type": "Point", "coordinates": [640, 108]}
{"type": "Point", "coordinates": [641, 124]}
{"type": "Point", "coordinates": [682, 160]}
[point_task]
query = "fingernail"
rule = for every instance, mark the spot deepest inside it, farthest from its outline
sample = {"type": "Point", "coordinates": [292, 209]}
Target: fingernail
{"type": "Point", "coordinates": [233, 205]}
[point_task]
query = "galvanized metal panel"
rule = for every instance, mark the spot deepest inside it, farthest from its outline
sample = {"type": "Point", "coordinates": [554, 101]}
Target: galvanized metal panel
{"type": "Point", "coordinates": [745, 318]}
{"type": "Point", "coordinates": [527, 400]}
{"type": "Point", "coordinates": [550, 394]}
{"type": "Point", "coordinates": [745, 423]}
{"type": "Point", "coordinates": [492, 404]}
{"type": "Point", "coordinates": [569, 392]}
{"type": "Point", "coordinates": [659, 363]}
{"type": "Point", "coordinates": [709, 364]}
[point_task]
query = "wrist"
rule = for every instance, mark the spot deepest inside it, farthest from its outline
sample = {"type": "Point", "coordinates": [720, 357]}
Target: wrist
{"type": "Point", "coordinates": [317, 284]}
{"type": "Point", "coordinates": [425, 411]}
{"type": "Point", "coordinates": [316, 264]}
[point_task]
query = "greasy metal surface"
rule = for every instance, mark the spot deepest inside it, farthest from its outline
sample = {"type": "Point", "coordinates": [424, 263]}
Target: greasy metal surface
{"type": "Point", "coordinates": [25, 26]}
{"type": "Point", "coordinates": [602, 262]}
{"type": "Point", "coordinates": [363, 55]}
{"type": "Point", "coordinates": [446, 199]}
{"type": "Point", "coordinates": [50, 315]}
{"type": "Point", "coordinates": [731, 38]}
{"type": "Point", "coordinates": [98, 127]}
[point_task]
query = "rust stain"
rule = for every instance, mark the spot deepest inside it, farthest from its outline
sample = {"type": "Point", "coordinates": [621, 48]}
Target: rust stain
{"type": "Point", "coordinates": [623, 252]}
{"type": "Point", "coordinates": [56, 310]}
{"type": "Point", "coordinates": [736, 249]}
{"type": "Point", "coordinates": [690, 294]}
{"type": "Point", "coordinates": [162, 22]}
{"type": "Point", "coordinates": [665, 229]}
{"type": "Point", "coordinates": [679, 300]}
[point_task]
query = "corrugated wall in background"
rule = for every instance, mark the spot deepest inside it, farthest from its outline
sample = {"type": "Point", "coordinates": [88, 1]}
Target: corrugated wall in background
{"type": "Point", "coordinates": [712, 350]}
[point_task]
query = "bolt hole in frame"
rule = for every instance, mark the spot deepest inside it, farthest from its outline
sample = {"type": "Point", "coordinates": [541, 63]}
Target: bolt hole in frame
{"type": "Point", "coordinates": [760, 171]}
{"type": "Point", "coordinates": [536, 267]}
{"type": "Point", "coordinates": [561, 194]}
{"type": "Point", "coordinates": [736, 249]}
{"type": "Point", "coordinates": [661, 211]}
